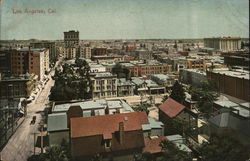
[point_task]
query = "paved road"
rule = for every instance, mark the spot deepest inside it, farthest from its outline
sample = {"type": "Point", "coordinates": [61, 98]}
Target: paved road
{"type": "Point", "coordinates": [21, 144]}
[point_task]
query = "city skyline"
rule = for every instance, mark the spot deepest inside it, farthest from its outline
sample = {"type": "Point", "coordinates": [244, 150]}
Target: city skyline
{"type": "Point", "coordinates": [142, 19]}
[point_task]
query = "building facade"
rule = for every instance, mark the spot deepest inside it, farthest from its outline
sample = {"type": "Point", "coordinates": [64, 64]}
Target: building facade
{"type": "Point", "coordinates": [232, 83]}
{"type": "Point", "coordinates": [223, 43]}
{"type": "Point", "coordinates": [17, 87]}
{"type": "Point", "coordinates": [27, 60]}
{"type": "Point", "coordinates": [104, 85]}
{"type": "Point", "coordinates": [5, 57]}
{"type": "Point", "coordinates": [71, 38]}
{"type": "Point", "coordinates": [49, 45]}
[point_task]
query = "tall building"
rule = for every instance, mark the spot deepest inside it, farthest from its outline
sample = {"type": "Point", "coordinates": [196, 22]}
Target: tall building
{"type": "Point", "coordinates": [85, 51]}
{"type": "Point", "coordinates": [71, 38]}
{"type": "Point", "coordinates": [5, 61]}
{"type": "Point", "coordinates": [17, 87]}
{"type": "Point", "coordinates": [223, 43]}
{"type": "Point", "coordinates": [49, 45]}
{"type": "Point", "coordinates": [71, 41]}
{"type": "Point", "coordinates": [104, 85]}
{"type": "Point", "coordinates": [28, 60]}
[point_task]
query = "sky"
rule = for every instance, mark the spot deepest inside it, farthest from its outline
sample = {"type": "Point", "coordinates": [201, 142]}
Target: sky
{"type": "Point", "coordinates": [124, 19]}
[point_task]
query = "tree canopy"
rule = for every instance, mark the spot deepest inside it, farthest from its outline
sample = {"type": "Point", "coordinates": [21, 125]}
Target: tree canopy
{"type": "Point", "coordinates": [72, 81]}
{"type": "Point", "coordinates": [205, 94]}
{"type": "Point", "coordinates": [223, 148]}
{"type": "Point", "coordinates": [121, 71]}
{"type": "Point", "coordinates": [177, 93]}
{"type": "Point", "coordinates": [173, 153]}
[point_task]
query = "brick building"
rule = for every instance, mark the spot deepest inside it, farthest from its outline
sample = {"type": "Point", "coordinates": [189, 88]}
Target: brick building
{"type": "Point", "coordinates": [147, 68]}
{"type": "Point", "coordinates": [233, 83]}
{"type": "Point", "coordinates": [29, 60]}
{"type": "Point", "coordinates": [99, 52]}
{"type": "Point", "coordinates": [199, 64]}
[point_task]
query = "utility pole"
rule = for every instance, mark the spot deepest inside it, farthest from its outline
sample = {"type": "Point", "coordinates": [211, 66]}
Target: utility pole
{"type": "Point", "coordinates": [34, 143]}
{"type": "Point", "coordinates": [42, 139]}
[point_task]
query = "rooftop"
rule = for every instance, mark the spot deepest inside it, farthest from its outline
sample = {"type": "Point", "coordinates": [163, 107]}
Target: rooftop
{"type": "Point", "coordinates": [95, 104]}
{"type": "Point", "coordinates": [161, 76]}
{"type": "Point", "coordinates": [171, 108]}
{"type": "Point", "coordinates": [106, 124]}
{"type": "Point", "coordinates": [236, 73]}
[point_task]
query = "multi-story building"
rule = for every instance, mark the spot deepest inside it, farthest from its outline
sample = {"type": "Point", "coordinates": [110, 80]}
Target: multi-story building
{"type": "Point", "coordinates": [17, 87]}
{"type": "Point", "coordinates": [99, 52]}
{"type": "Point", "coordinates": [223, 43]}
{"type": "Point", "coordinates": [85, 52]}
{"type": "Point", "coordinates": [194, 63]}
{"type": "Point", "coordinates": [5, 56]}
{"type": "Point", "coordinates": [143, 54]}
{"type": "Point", "coordinates": [104, 85]}
{"type": "Point", "coordinates": [177, 63]}
{"type": "Point", "coordinates": [71, 42]}
{"type": "Point", "coordinates": [148, 68]}
{"type": "Point", "coordinates": [49, 45]}
{"type": "Point", "coordinates": [163, 80]}
{"type": "Point", "coordinates": [69, 52]}
{"type": "Point", "coordinates": [46, 61]}
{"type": "Point", "coordinates": [125, 87]}
{"type": "Point", "coordinates": [29, 60]}
{"type": "Point", "coordinates": [71, 38]}
{"type": "Point", "coordinates": [233, 83]}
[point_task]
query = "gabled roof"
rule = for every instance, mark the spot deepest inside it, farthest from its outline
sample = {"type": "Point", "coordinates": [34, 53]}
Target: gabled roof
{"type": "Point", "coordinates": [171, 108]}
{"type": "Point", "coordinates": [107, 124]}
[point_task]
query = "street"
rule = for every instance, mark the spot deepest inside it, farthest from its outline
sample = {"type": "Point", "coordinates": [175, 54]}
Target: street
{"type": "Point", "coordinates": [21, 144]}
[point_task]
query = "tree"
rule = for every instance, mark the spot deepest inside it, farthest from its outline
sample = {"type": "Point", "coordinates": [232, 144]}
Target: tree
{"type": "Point", "coordinates": [177, 92]}
{"type": "Point", "coordinates": [144, 157]}
{"type": "Point", "coordinates": [121, 71]}
{"type": "Point", "coordinates": [71, 83]}
{"type": "Point", "coordinates": [54, 153]}
{"type": "Point", "coordinates": [143, 107]}
{"type": "Point", "coordinates": [151, 99]}
{"type": "Point", "coordinates": [164, 99]}
{"type": "Point", "coordinates": [173, 153]}
{"type": "Point", "coordinates": [223, 148]}
{"type": "Point", "coordinates": [205, 94]}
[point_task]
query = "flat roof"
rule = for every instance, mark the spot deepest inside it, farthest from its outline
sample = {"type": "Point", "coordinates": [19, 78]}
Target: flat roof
{"type": "Point", "coordinates": [236, 73]}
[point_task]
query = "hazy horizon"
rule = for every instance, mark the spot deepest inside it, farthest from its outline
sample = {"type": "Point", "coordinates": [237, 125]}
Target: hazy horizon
{"type": "Point", "coordinates": [117, 19]}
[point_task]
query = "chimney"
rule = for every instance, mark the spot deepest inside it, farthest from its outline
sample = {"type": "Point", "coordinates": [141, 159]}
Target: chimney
{"type": "Point", "coordinates": [92, 112]}
{"type": "Point", "coordinates": [107, 110]}
{"type": "Point", "coordinates": [121, 132]}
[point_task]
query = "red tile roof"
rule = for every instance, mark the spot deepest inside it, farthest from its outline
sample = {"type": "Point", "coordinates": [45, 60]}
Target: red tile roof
{"type": "Point", "coordinates": [153, 145]}
{"type": "Point", "coordinates": [171, 108]}
{"type": "Point", "coordinates": [106, 124]}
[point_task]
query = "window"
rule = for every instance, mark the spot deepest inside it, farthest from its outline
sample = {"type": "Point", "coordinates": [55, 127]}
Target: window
{"type": "Point", "coordinates": [107, 143]}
